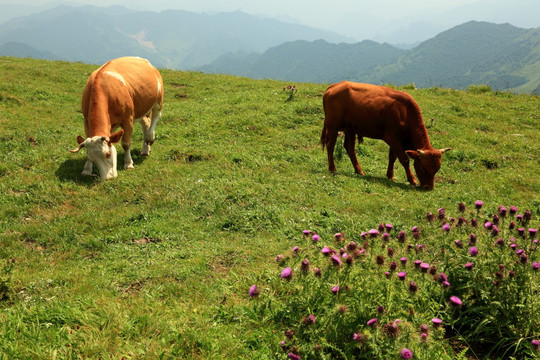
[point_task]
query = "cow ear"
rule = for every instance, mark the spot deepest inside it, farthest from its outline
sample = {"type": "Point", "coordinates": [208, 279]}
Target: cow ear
{"type": "Point", "coordinates": [413, 154]}
{"type": "Point", "coordinates": [116, 136]}
{"type": "Point", "coordinates": [80, 139]}
{"type": "Point", "coordinates": [445, 150]}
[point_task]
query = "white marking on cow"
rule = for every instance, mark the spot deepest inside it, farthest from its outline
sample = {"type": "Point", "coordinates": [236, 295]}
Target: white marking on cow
{"type": "Point", "coordinates": [116, 76]}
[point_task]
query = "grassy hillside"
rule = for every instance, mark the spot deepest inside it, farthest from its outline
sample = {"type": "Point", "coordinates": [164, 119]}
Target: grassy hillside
{"type": "Point", "coordinates": [158, 262]}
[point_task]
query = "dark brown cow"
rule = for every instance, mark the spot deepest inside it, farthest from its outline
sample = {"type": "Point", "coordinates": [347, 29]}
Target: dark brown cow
{"type": "Point", "coordinates": [382, 113]}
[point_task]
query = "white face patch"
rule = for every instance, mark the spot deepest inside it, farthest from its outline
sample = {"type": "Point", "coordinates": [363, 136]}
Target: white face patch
{"type": "Point", "coordinates": [102, 156]}
{"type": "Point", "coordinates": [116, 76]}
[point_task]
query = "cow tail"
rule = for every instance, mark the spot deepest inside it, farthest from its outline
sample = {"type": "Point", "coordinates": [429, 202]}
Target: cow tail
{"type": "Point", "coordinates": [324, 135]}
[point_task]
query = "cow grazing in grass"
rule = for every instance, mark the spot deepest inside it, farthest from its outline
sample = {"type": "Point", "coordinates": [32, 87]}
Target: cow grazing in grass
{"type": "Point", "coordinates": [120, 92]}
{"type": "Point", "coordinates": [380, 113]}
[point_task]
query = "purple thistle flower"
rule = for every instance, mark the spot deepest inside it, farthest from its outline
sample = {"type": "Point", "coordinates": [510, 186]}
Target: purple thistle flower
{"type": "Point", "coordinates": [488, 225]}
{"type": "Point", "coordinates": [535, 344]}
{"type": "Point", "coordinates": [317, 272]}
{"type": "Point", "coordinates": [306, 232]}
{"type": "Point", "coordinates": [429, 216]}
{"type": "Point", "coordinates": [309, 320]}
{"type": "Point", "coordinates": [326, 251]}
{"type": "Point", "coordinates": [403, 260]}
{"type": "Point", "coordinates": [373, 232]}
{"type": "Point", "coordinates": [372, 322]}
{"type": "Point", "coordinates": [513, 210]}
{"type": "Point", "coordinates": [401, 275]}
{"type": "Point", "coordinates": [359, 337]}
{"type": "Point", "coordinates": [469, 266]}
{"type": "Point", "coordinates": [253, 291]}
{"type": "Point", "coordinates": [406, 354]}
{"type": "Point", "coordinates": [499, 242]}
{"type": "Point", "coordinates": [473, 251]}
{"type": "Point", "coordinates": [436, 322]}
{"type": "Point", "coordinates": [458, 243]}
{"type": "Point", "coordinates": [336, 289]}
{"type": "Point", "coordinates": [454, 300]}
{"type": "Point", "coordinates": [280, 258]}
{"type": "Point", "coordinates": [446, 284]}
{"type": "Point", "coordinates": [414, 229]}
{"type": "Point", "coordinates": [380, 309]}
{"type": "Point", "coordinates": [532, 232]}
{"type": "Point", "coordinates": [446, 227]}
{"type": "Point", "coordinates": [293, 356]}
{"type": "Point", "coordinates": [387, 274]}
{"type": "Point", "coordinates": [424, 328]}
{"type": "Point", "coordinates": [338, 236]}
{"type": "Point", "coordinates": [474, 222]}
{"type": "Point", "coordinates": [461, 207]}
{"type": "Point", "coordinates": [315, 238]}
{"type": "Point", "coordinates": [536, 266]}
{"type": "Point", "coordinates": [472, 238]}
{"type": "Point", "coordinates": [286, 273]}
{"type": "Point", "coordinates": [417, 264]}
{"type": "Point", "coordinates": [441, 213]}
{"type": "Point", "coordinates": [478, 204]}
{"type": "Point", "coordinates": [443, 277]}
{"type": "Point", "coordinates": [389, 227]}
{"type": "Point", "coordinates": [413, 287]}
{"type": "Point", "coordinates": [386, 236]}
{"type": "Point", "coordinates": [336, 261]}
{"type": "Point", "coordinates": [424, 267]}
{"type": "Point", "coordinates": [295, 249]}
{"type": "Point", "coordinates": [304, 265]}
{"type": "Point", "coordinates": [402, 236]}
{"type": "Point", "coordinates": [521, 232]}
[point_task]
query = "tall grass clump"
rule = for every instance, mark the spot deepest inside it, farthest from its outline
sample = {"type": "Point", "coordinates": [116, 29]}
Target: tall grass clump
{"type": "Point", "coordinates": [397, 292]}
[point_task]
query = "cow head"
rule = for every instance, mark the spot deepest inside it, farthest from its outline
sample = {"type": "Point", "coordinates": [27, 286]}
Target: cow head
{"type": "Point", "coordinates": [426, 165]}
{"type": "Point", "coordinates": [100, 150]}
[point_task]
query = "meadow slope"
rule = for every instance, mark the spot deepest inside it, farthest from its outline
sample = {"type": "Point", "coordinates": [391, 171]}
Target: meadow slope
{"type": "Point", "coordinates": [157, 262]}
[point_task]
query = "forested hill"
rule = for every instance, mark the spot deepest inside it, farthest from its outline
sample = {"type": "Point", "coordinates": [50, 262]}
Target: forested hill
{"type": "Point", "coordinates": [503, 56]}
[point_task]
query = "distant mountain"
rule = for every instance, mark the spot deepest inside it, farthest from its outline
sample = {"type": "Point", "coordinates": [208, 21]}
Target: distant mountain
{"type": "Point", "coordinates": [24, 51]}
{"type": "Point", "coordinates": [502, 56]}
{"type": "Point", "coordinates": [175, 39]}
{"type": "Point", "coordinates": [304, 61]}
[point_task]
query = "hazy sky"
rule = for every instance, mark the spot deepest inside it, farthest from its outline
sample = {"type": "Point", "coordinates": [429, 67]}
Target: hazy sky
{"type": "Point", "coordinates": [355, 18]}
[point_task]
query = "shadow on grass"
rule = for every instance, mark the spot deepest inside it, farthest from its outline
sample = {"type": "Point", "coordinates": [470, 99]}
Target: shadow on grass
{"type": "Point", "coordinates": [71, 169]}
{"type": "Point", "coordinates": [381, 180]}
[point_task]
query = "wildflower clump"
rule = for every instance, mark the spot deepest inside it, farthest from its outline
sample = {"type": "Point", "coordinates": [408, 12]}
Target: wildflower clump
{"type": "Point", "coordinates": [391, 292]}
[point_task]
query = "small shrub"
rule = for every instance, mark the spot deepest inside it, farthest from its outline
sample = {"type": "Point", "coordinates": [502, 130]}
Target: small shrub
{"type": "Point", "coordinates": [479, 89]}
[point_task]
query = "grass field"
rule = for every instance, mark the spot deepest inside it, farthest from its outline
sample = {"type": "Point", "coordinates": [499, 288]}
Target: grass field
{"type": "Point", "coordinates": [157, 263]}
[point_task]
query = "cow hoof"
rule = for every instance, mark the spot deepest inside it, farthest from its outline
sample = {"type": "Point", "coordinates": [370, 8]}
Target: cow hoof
{"type": "Point", "coordinates": [129, 166]}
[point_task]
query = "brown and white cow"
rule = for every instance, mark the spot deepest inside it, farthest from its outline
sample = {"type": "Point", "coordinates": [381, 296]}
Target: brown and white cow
{"type": "Point", "coordinates": [380, 112]}
{"type": "Point", "coordinates": [120, 92]}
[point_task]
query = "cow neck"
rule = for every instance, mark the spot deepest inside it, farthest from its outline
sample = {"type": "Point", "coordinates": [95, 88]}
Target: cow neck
{"type": "Point", "coordinates": [419, 135]}
{"type": "Point", "coordinates": [99, 119]}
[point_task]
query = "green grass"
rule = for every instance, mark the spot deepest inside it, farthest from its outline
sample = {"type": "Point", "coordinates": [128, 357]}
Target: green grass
{"type": "Point", "coordinates": [157, 262]}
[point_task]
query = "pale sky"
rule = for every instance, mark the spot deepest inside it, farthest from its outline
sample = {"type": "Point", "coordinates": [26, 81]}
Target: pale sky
{"type": "Point", "coordinates": [371, 17]}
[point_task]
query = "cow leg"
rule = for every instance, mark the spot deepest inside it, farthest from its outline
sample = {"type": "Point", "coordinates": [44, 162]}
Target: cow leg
{"type": "Point", "coordinates": [149, 127]}
{"type": "Point", "coordinates": [126, 145]}
{"type": "Point", "coordinates": [404, 160]}
{"type": "Point", "coordinates": [349, 144]}
{"type": "Point", "coordinates": [391, 160]}
{"type": "Point", "coordinates": [87, 170]}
